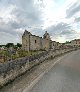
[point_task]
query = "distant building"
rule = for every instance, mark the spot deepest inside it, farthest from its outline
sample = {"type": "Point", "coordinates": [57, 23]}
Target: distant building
{"type": "Point", "coordinates": [32, 42]}
{"type": "Point", "coordinates": [53, 44]}
{"type": "Point", "coordinates": [75, 42]}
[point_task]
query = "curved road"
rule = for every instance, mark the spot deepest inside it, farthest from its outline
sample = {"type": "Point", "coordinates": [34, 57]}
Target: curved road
{"type": "Point", "coordinates": [63, 77]}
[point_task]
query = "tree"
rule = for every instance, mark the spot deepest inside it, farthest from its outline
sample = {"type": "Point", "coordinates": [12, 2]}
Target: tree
{"type": "Point", "coordinates": [9, 45]}
{"type": "Point", "coordinates": [67, 42]}
{"type": "Point", "coordinates": [19, 45]}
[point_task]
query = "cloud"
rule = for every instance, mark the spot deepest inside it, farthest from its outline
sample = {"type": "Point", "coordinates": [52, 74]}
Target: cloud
{"type": "Point", "coordinates": [62, 32]}
{"type": "Point", "coordinates": [8, 38]}
{"type": "Point", "coordinates": [57, 29]}
{"type": "Point", "coordinates": [27, 12]}
{"type": "Point", "coordinates": [77, 19]}
{"type": "Point", "coordinates": [37, 16]}
{"type": "Point", "coordinates": [18, 15]}
{"type": "Point", "coordinates": [38, 31]}
{"type": "Point", "coordinates": [73, 9]}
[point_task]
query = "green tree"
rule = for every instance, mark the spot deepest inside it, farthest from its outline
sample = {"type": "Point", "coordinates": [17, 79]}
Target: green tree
{"type": "Point", "coordinates": [19, 45]}
{"type": "Point", "coordinates": [9, 45]}
{"type": "Point", "coordinates": [67, 42]}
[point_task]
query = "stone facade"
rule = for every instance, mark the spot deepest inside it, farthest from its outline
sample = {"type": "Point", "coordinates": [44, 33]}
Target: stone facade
{"type": "Point", "coordinates": [53, 44]}
{"type": "Point", "coordinates": [72, 44]}
{"type": "Point", "coordinates": [75, 42]}
{"type": "Point", "coordinates": [31, 42]}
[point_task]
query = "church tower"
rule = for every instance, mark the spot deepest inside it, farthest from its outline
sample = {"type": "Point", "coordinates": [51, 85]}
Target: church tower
{"type": "Point", "coordinates": [26, 41]}
{"type": "Point", "coordinates": [46, 36]}
{"type": "Point", "coordinates": [46, 41]}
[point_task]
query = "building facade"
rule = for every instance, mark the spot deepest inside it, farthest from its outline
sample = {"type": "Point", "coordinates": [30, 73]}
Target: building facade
{"type": "Point", "coordinates": [32, 42]}
{"type": "Point", "coordinates": [75, 43]}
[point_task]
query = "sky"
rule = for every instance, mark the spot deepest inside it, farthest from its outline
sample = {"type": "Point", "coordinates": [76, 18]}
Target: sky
{"type": "Point", "coordinates": [60, 18]}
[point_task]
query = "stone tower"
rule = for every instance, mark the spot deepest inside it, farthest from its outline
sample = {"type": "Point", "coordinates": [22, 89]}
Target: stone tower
{"type": "Point", "coordinates": [46, 36]}
{"type": "Point", "coordinates": [46, 41]}
{"type": "Point", "coordinates": [26, 41]}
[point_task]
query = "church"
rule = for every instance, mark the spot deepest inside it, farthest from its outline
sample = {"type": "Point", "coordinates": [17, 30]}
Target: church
{"type": "Point", "coordinates": [32, 42]}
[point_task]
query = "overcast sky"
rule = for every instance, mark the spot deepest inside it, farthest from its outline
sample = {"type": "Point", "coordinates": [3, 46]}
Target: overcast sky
{"type": "Point", "coordinates": [61, 18]}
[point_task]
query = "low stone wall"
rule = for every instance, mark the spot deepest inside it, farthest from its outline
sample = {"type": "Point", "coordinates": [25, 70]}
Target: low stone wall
{"type": "Point", "coordinates": [11, 69]}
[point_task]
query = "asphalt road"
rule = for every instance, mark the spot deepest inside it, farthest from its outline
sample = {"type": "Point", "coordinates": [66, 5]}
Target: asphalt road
{"type": "Point", "coordinates": [63, 77]}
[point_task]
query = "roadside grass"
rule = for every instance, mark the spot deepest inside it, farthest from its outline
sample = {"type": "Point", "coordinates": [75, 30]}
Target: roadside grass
{"type": "Point", "coordinates": [5, 55]}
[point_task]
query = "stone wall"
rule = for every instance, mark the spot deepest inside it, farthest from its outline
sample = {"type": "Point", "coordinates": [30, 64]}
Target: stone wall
{"type": "Point", "coordinates": [46, 44]}
{"type": "Point", "coordinates": [10, 70]}
{"type": "Point", "coordinates": [35, 42]}
{"type": "Point", "coordinates": [26, 41]}
{"type": "Point", "coordinates": [75, 42]}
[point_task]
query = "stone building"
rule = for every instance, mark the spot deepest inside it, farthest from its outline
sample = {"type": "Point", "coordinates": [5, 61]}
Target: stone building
{"type": "Point", "coordinates": [75, 43]}
{"type": "Point", "coordinates": [53, 44]}
{"type": "Point", "coordinates": [32, 42]}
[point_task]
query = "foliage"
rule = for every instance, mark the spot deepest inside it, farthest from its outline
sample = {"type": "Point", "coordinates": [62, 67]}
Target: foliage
{"type": "Point", "coordinates": [9, 45]}
{"type": "Point", "coordinates": [19, 45]}
{"type": "Point", "coordinates": [67, 42]}
{"type": "Point", "coordinates": [18, 54]}
{"type": "Point", "coordinates": [2, 45]}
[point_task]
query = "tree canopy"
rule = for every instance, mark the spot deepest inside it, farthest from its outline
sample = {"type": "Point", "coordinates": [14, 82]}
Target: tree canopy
{"type": "Point", "coordinates": [9, 45]}
{"type": "Point", "coordinates": [19, 45]}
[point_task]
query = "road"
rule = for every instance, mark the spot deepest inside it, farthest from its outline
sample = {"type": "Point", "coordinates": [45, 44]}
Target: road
{"type": "Point", "coordinates": [63, 77]}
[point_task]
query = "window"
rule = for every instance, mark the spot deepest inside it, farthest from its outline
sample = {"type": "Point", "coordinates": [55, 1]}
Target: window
{"type": "Point", "coordinates": [35, 41]}
{"type": "Point", "coordinates": [26, 43]}
{"type": "Point", "coordinates": [53, 44]}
